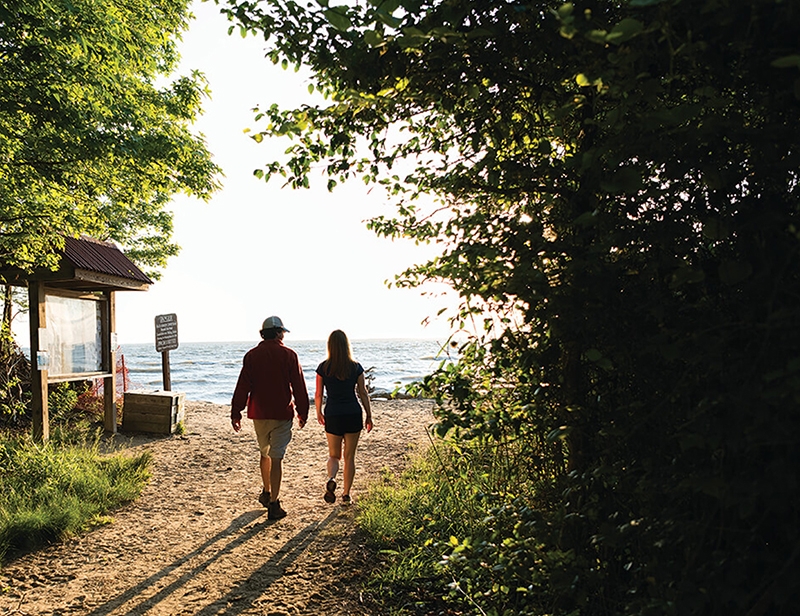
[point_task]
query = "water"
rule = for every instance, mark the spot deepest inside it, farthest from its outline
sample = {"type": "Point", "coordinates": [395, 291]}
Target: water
{"type": "Point", "coordinates": [208, 370]}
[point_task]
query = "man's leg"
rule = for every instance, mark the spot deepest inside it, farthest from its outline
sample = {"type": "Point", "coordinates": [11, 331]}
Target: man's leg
{"type": "Point", "coordinates": [275, 476]}
{"type": "Point", "coordinates": [276, 512]}
{"type": "Point", "coordinates": [273, 437]}
{"type": "Point", "coordinates": [266, 467]}
{"type": "Point", "coordinates": [262, 435]}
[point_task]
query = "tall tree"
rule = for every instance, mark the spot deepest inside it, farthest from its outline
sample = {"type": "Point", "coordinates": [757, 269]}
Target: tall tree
{"type": "Point", "coordinates": [619, 191]}
{"type": "Point", "coordinates": [94, 137]}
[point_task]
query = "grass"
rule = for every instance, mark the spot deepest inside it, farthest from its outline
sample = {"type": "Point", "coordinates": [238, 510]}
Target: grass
{"type": "Point", "coordinates": [54, 491]}
{"type": "Point", "coordinates": [410, 519]}
{"type": "Point", "coordinates": [421, 521]}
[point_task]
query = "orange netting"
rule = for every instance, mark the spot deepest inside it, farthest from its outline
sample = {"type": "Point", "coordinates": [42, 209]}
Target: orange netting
{"type": "Point", "coordinates": [94, 394]}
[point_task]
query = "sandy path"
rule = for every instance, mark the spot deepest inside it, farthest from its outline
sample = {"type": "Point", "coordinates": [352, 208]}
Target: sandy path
{"type": "Point", "coordinates": [198, 542]}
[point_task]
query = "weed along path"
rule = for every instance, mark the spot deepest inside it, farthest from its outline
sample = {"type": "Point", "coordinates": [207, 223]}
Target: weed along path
{"type": "Point", "coordinates": [198, 542]}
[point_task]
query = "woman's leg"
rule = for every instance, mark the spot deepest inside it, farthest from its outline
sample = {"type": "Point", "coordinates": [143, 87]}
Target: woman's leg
{"type": "Point", "coordinates": [350, 444]}
{"type": "Point", "coordinates": [334, 453]}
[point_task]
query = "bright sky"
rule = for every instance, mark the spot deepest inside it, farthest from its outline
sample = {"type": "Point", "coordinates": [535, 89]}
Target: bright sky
{"type": "Point", "coordinates": [256, 249]}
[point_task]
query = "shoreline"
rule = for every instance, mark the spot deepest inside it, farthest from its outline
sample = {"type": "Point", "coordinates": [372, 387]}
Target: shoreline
{"type": "Point", "coordinates": [209, 372]}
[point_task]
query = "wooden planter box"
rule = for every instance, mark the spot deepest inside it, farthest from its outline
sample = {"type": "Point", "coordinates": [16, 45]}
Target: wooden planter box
{"type": "Point", "coordinates": [154, 411]}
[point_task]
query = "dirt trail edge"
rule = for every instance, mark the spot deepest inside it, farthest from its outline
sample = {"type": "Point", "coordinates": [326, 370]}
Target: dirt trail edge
{"type": "Point", "coordinates": [198, 542]}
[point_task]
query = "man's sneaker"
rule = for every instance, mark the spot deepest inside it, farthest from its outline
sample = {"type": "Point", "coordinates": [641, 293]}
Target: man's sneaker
{"type": "Point", "coordinates": [276, 512]}
{"type": "Point", "coordinates": [263, 498]}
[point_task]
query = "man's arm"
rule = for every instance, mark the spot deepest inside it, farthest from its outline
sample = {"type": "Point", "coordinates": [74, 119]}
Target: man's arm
{"type": "Point", "coordinates": [300, 392]}
{"type": "Point", "coordinates": [239, 399]}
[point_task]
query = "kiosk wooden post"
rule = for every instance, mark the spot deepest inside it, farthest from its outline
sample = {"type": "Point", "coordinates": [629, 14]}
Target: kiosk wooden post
{"type": "Point", "coordinates": [38, 322]}
{"type": "Point", "coordinates": [110, 352]}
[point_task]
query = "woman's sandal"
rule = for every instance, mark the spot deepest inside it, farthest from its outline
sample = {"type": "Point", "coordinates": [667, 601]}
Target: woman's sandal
{"type": "Point", "coordinates": [345, 499]}
{"type": "Point", "coordinates": [330, 491]}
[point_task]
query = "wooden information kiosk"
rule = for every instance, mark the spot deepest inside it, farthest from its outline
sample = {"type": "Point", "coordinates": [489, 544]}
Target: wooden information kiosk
{"type": "Point", "coordinates": [73, 324]}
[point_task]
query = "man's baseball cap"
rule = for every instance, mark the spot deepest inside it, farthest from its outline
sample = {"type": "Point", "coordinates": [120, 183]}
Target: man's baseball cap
{"type": "Point", "coordinates": [273, 323]}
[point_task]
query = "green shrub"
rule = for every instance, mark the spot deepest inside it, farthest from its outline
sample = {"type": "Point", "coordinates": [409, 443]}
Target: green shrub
{"type": "Point", "coordinates": [61, 400]}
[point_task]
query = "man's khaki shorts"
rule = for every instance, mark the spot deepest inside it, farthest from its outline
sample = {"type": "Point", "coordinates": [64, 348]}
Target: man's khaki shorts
{"type": "Point", "coordinates": [273, 436]}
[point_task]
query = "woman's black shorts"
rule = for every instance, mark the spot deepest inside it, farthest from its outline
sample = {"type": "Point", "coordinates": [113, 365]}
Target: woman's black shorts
{"type": "Point", "coordinates": [344, 424]}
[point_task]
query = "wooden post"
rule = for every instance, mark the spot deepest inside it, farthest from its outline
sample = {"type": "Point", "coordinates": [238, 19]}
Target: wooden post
{"type": "Point", "coordinates": [166, 340]}
{"type": "Point", "coordinates": [38, 322]}
{"type": "Point", "coordinates": [165, 370]}
{"type": "Point", "coordinates": [110, 382]}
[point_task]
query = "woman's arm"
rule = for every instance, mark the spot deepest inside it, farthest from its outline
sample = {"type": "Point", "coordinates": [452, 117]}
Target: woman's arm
{"type": "Point", "coordinates": [361, 388]}
{"type": "Point", "coordinates": [318, 400]}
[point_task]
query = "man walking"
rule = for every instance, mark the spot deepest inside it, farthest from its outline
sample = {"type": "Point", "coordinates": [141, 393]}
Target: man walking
{"type": "Point", "coordinates": [272, 387]}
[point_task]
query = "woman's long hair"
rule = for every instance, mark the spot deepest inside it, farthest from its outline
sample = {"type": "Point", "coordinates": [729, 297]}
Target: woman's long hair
{"type": "Point", "coordinates": [340, 359]}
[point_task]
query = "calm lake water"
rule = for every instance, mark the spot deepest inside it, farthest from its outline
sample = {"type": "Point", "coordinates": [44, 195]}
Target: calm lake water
{"type": "Point", "coordinates": [208, 371]}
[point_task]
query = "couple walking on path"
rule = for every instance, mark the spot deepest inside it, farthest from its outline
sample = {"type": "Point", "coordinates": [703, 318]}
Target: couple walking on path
{"type": "Point", "coordinates": [272, 389]}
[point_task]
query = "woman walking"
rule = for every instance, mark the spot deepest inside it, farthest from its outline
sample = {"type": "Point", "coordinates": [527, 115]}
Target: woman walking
{"type": "Point", "coordinates": [341, 377]}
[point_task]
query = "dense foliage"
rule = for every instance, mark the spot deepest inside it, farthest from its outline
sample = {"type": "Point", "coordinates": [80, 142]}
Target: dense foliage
{"type": "Point", "coordinates": [94, 138]}
{"type": "Point", "coordinates": [618, 200]}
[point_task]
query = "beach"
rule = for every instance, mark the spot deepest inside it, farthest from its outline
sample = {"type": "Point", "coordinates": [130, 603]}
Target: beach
{"type": "Point", "coordinates": [198, 542]}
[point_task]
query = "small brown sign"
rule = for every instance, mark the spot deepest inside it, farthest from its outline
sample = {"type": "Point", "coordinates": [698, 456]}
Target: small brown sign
{"type": "Point", "coordinates": [166, 332]}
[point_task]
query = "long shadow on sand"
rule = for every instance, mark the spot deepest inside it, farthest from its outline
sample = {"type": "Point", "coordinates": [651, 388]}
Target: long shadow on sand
{"type": "Point", "coordinates": [235, 603]}
{"type": "Point", "coordinates": [283, 557]}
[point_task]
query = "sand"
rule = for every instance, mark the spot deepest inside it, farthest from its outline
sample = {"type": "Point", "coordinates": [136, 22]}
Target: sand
{"type": "Point", "coordinates": [198, 542]}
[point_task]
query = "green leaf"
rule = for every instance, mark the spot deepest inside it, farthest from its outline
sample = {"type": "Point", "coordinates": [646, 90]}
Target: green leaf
{"type": "Point", "coordinates": [624, 31]}
{"type": "Point", "coordinates": [338, 18]}
{"type": "Point", "coordinates": [386, 5]}
{"type": "Point", "coordinates": [566, 10]}
{"type": "Point", "coordinates": [388, 19]}
{"type": "Point", "coordinates": [597, 36]}
{"type": "Point", "coordinates": [568, 31]}
{"type": "Point", "coordinates": [593, 355]}
{"type": "Point", "coordinates": [373, 38]}
{"type": "Point", "coordinates": [415, 32]}
{"type": "Point", "coordinates": [792, 61]}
